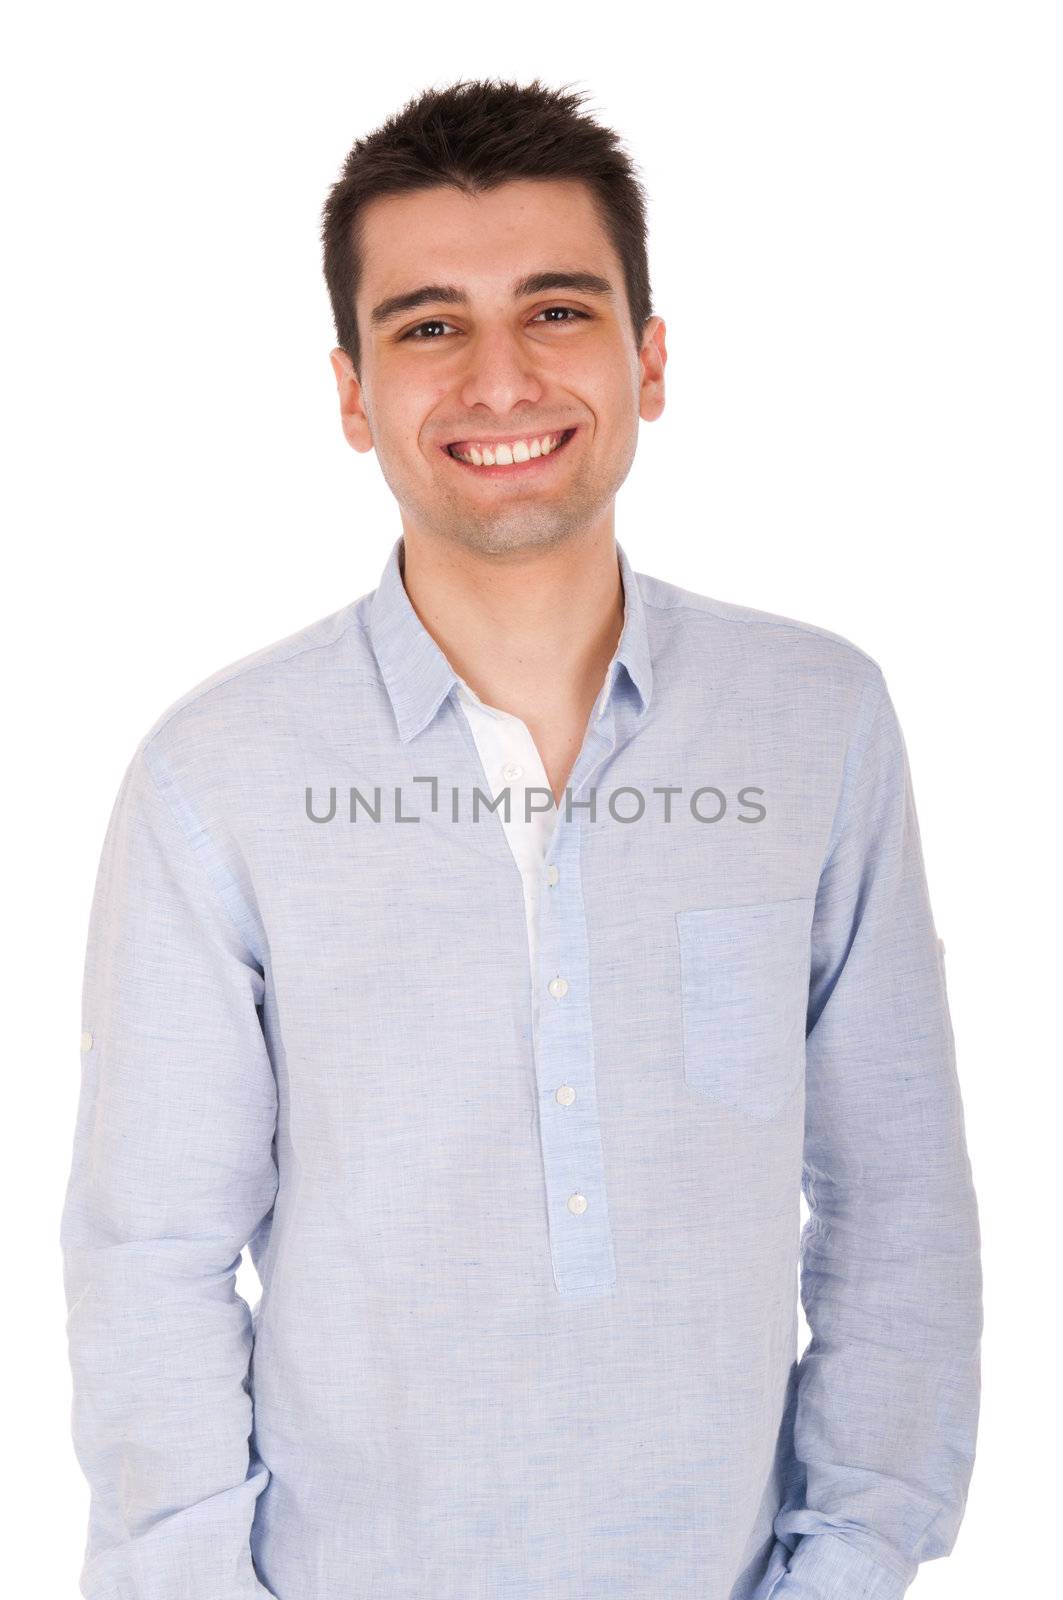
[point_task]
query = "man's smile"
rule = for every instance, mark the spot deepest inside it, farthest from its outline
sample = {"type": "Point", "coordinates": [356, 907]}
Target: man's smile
{"type": "Point", "coordinates": [515, 456]}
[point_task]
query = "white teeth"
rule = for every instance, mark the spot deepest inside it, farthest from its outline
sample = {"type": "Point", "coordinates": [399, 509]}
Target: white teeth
{"type": "Point", "coordinates": [504, 455]}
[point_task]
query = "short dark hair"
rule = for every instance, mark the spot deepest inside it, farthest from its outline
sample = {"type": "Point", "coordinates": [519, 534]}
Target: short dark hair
{"type": "Point", "coordinates": [477, 134]}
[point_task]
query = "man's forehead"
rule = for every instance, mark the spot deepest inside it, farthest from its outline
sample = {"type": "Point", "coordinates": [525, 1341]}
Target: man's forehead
{"type": "Point", "coordinates": [511, 198]}
{"type": "Point", "coordinates": [444, 234]}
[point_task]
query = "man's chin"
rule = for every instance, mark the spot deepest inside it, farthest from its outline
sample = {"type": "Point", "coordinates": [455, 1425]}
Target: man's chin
{"type": "Point", "coordinates": [502, 533]}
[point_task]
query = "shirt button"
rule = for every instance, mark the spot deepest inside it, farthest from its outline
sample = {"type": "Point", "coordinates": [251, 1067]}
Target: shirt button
{"type": "Point", "coordinates": [552, 874]}
{"type": "Point", "coordinates": [558, 987]}
{"type": "Point", "coordinates": [512, 770]}
{"type": "Point", "coordinates": [565, 1095]}
{"type": "Point", "coordinates": [577, 1204]}
{"type": "Point", "coordinates": [86, 1041]}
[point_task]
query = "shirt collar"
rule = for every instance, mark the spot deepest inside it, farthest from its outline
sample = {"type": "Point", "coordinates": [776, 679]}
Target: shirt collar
{"type": "Point", "coordinates": [418, 677]}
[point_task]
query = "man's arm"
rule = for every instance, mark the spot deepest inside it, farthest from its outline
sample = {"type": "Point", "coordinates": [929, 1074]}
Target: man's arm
{"type": "Point", "coordinates": [172, 1172]}
{"type": "Point", "coordinates": [889, 1385]}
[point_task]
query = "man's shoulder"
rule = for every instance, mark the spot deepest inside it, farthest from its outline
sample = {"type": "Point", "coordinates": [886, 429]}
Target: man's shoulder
{"type": "Point", "coordinates": [269, 688]}
{"type": "Point", "coordinates": [703, 621]}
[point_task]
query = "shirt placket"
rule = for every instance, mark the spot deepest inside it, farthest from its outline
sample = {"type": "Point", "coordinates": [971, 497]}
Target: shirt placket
{"type": "Point", "coordinates": [577, 1206]}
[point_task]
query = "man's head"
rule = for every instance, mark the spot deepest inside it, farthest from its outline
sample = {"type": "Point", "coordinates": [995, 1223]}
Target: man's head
{"type": "Point", "coordinates": [485, 255]}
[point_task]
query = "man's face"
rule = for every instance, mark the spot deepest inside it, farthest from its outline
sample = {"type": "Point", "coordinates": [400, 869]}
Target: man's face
{"type": "Point", "coordinates": [498, 365]}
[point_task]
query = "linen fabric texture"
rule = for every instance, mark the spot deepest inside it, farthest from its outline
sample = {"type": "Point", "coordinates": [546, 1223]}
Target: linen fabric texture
{"type": "Point", "coordinates": [528, 1322]}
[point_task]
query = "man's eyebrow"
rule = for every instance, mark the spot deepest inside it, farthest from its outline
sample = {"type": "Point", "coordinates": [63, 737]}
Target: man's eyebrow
{"type": "Point", "coordinates": [397, 305]}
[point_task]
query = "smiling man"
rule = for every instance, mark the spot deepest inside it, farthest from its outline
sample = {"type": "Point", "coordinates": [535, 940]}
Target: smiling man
{"type": "Point", "coordinates": [502, 398]}
{"type": "Point", "coordinates": [499, 958]}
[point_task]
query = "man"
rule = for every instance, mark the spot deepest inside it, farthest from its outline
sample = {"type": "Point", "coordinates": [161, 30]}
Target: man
{"type": "Point", "coordinates": [498, 957]}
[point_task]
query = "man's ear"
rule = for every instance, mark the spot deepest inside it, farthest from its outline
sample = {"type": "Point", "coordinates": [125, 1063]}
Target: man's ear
{"type": "Point", "coordinates": [352, 410]}
{"type": "Point", "coordinates": [652, 357]}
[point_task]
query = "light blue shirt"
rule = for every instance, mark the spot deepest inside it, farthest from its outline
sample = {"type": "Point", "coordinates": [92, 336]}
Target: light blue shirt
{"type": "Point", "coordinates": [528, 1324]}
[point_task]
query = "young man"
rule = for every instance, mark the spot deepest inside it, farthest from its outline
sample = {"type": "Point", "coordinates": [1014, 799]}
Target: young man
{"type": "Point", "coordinates": [498, 957]}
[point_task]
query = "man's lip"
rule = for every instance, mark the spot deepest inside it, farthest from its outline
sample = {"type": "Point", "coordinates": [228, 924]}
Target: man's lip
{"type": "Point", "coordinates": [510, 438]}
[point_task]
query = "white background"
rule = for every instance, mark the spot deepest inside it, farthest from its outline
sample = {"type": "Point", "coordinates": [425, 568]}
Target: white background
{"type": "Point", "coordinates": [855, 245]}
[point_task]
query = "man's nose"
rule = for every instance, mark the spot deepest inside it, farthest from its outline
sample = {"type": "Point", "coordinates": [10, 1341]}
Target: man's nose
{"type": "Point", "coordinates": [501, 371]}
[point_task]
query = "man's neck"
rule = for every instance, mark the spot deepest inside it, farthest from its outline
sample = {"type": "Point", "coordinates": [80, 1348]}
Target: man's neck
{"type": "Point", "coordinates": [532, 632]}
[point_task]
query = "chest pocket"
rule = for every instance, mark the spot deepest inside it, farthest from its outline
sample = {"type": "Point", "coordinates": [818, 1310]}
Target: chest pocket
{"type": "Point", "coordinates": [744, 977]}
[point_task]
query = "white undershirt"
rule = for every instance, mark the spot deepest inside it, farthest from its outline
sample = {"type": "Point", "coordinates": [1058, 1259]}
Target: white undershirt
{"type": "Point", "coordinates": [510, 759]}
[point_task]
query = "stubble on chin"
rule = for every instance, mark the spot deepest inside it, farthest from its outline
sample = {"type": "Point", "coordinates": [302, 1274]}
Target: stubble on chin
{"type": "Point", "coordinates": [529, 524]}
{"type": "Point", "coordinates": [526, 524]}
{"type": "Point", "coordinates": [524, 528]}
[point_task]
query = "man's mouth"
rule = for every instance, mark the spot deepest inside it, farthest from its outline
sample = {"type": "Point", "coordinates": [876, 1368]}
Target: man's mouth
{"type": "Point", "coordinates": [519, 455]}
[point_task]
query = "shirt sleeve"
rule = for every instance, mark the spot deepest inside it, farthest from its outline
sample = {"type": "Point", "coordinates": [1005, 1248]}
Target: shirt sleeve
{"type": "Point", "coordinates": [173, 1170]}
{"type": "Point", "coordinates": [888, 1387]}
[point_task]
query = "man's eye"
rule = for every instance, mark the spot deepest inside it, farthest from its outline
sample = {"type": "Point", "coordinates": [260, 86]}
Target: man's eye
{"type": "Point", "coordinates": [568, 310]}
{"type": "Point", "coordinates": [438, 322]}
{"type": "Point", "coordinates": [434, 322]}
